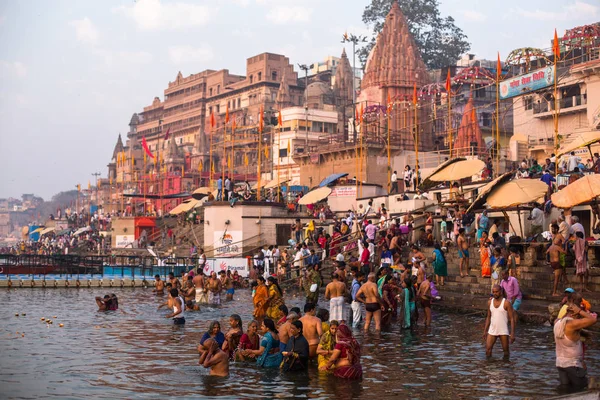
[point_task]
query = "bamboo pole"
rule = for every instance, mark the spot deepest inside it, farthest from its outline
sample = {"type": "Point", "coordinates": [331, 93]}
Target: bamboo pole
{"type": "Point", "coordinates": [389, 158]}
{"type": "Point", "coordinates": [416, 138]}
{"type": "Point", "coordinates": [224, 164]}
{"type": "Point", "coordinates": [497, 122]}
{"type": "Point", "coordinates": [450, 142]}
{"type": "Point", "coordinates": [258, 182]}
{"type": "Point", "coordinates": [278, 159]}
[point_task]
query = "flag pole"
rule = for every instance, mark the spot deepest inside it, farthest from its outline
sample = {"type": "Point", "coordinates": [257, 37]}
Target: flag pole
{"type": "Point", "coordinates": [556, 51]}
{"type": "Point", "coordinates": [232, 171]}
{"type": "Point", "coordinates": [498, 74]}
{"type": "Point", "coordinates": [260, 129]}
{"type": "Point", "coordinates": [416, 136]}
{"type": "Point", "coordinates": [389, 158]}
{"type": "Point", "coordinates": [278, 158]}
{"type": "Point", "coordinates": [356, 126]}
{"type": "Point", "coordinates": [224, 163]}
{"type": "Point", "coordinates": [210, 156]}
{"type": "Point", "coordinates": [449, 95]}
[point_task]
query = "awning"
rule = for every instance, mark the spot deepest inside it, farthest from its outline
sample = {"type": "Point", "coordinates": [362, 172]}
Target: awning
{"type": "Point", "coordinates": [579, 140]}
{"type": "Point", "coordinates": [185, 206]}
{"type": "Point", "coordinates": [485, 191]}
{"type": "Point", "coordinates": [458, 170]}
{"type": "Point", "coordinates": [315, 196]}
{"type": "Point", "coordinates": [517, 192]}
{"type": "Point", "coordinates": [82, 230]}
{"type": "Point", "coordinates": [582, 190]}
{"type": "Point", "coordinates": [331, 179]}
{"type": "Point", "coordinates": [158, 196]}
{"type": "Point", "coordinates": [47, 230]}
{"type": "Point", "coordinates": [274, 184]}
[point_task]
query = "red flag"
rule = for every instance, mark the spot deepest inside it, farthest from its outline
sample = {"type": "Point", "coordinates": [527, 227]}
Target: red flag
{"type": "Point", "coordinates": [556, 47]}
{"type": "Point", "coordinates": [167, 134]}
{"type": "Point", "coordinates": [389, 102]}
{"type": "Point", "coordinates": [260, 120]}
{"type": "Point", "coordinates": [415, 94]}
{"type": "Point", "coordinates": [279, 119]}
{"type": "Point", "coordinates": [498, 67]}
{"type": "Point", "coordinates": [227, 114]}
{"type": "Point", "coordinates": [448, 82]}
{"type": "Point", "coordinates": [357, 116]}
{"type": "Point", "coordinates": [233, 126]}
{"type": "Point", "coordinates": [212, 120]}
{"type": "Point", "coordinates": [146, 148]}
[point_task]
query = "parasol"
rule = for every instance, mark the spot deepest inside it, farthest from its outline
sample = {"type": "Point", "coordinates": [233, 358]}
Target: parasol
{"type": "Point", "coordinates": [485, 191]}
{"type": "Point", "coordinates": [579, 140]}
{"type": "Point", "coordinates": [315, 196]}
{"type": "Point", "coordinates": [458, 170]}
{"type": "Point", "coordinates": [582, 190]}
{"type": "Point", "coordinates": [516, 192]}
{"type": "Point", "coordinates": [427, 183]}
{"type": "Point", "coordinates": [201, 192]}
{"type": "Point", "coordinates": [38, 230]}
{"type": "Point", "coordinates": [331, 179]}
{"type": "Point", "coordinates": [47, 230]}
{"type": "Point", "coordinates": [274, 184]}
{"type": "Point", "coordinates": [183, 207]}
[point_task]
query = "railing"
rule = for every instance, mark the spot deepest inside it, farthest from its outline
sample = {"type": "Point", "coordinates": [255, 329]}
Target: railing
{"type": "Point", "coordinates": [564, 103]}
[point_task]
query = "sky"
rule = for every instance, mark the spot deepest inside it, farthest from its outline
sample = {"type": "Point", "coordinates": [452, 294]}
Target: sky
{"type": "Point", "coordinates": [73, 72]}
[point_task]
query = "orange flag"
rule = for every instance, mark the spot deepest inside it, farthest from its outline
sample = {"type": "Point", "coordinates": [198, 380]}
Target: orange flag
{"type": "Point", "coordinates": [233, 126]}
{"type": "Point", "coordinates": [227, 114]}
{"type": "Point", "coordinates": [289, 147]}
{"type": "Point", "coordinates": [389, 103]}
{"type": "Point", "coordinates": [246, 159]}
{"type": "Point", "coordinates": [415, 94]}
{"type": "Point", "coordinates": [279, 119]}
{"type": "Point", "coordinates": [556, 47]}
{"type": "Point", "coordinates": [498, 67]}
{"type": "Point", "coordinates": [448, 82]}
{"type": "Point", "coordinates": [212, 120]}
{"type": "Point", "coordinates": [200, 166]}
{"type": "Point", "coordinates": [260, 120]}
{"type": "Point", "coordinates": [357, 116]}
{"type": "Point", "coordinates": [362, 113]}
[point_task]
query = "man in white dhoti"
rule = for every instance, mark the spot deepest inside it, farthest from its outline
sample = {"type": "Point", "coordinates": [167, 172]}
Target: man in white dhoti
{"type": "Point", "coordinates": [335, 292]}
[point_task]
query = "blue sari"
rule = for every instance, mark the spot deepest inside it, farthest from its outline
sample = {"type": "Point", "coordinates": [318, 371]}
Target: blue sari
{"type": "Point", "coordinates": [268, 360]}
{"type": "Point", "coordinates": [482, 226]}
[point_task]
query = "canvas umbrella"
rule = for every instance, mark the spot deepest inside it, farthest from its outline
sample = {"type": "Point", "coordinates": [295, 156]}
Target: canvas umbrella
{"type": "Point", "coordinates": [516, 192]}
{"type": "Point", "coordinates": [274, 184]}
{"type": "Point", "coordinates": [485, 191]}
{"type": "Point", "coordinates": [201, 192]}
{"type": "Point", "coordinates": [428, 183]}
{"type": "Point", "coordinates": [331, 179]}
{"type": "Point", "coordinates": [579, 140]}
{"type": "Point", "coordinates": [458, 170]}
{"type": "Point", "coordinates": [182, 207]}
{"type": "Point", "coordinates": [315, 196]}
{"type": "Point", "coordinates": [582, 190]}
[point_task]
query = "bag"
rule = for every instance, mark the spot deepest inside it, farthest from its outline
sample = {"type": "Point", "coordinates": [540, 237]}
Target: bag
{"type": "Point", "coordinates": [313, 287]}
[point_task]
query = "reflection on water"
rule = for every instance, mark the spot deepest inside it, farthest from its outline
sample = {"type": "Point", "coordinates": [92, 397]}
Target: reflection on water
{"type": "Point", "coordinates": [136, 352]}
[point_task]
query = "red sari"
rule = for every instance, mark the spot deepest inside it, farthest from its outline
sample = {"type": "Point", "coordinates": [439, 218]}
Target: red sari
{"type": "Point", "coordinates": [335, 241]}
{"type": "Point", "coordinates": [349, 349]}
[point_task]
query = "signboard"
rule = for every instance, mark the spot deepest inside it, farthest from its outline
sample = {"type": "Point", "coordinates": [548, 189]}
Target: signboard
{"type": "Point", "coordinates": [228, 243]}
{"type": "Point", "coordinates": [527, 83]}
{"type": "Point", "coordinates": [123, 241]}
{"type": "Point", "coordinates": [343, 191]}
{"type": "Point", "coordinates": [223, 264]}
{"type": "Point", "coordinates": [315, 158]}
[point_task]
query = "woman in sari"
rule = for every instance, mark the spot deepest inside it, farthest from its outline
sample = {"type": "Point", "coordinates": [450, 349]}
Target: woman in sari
{"type": "Point", "coordinates": [275, 300]}
{"type": "Point", "coordinates": [484, 255]}
{"type": "Point", "coordinates": [268, 355]}
{"type": "Point", "coordinates": [440, 266]}
{"type": "Point", "coordinates": [335, 242]}
{"type": "Point", "coordinates": [389, 292]}
{"type": "Point", "coordinates": [260, 299]}
{"type": "Point", "coordinates": [345, 358]}
{"type": "Point", "coordinates": [250, 341]}
{"type": "Point", "coordinates": [409, 308]}
{"type": "Point", "coordinates": [233, 336]}
{"type": "Point", "coordinates": [482, 224]}
{"type": "Point", "coordinates": [327, 344]}
{"type": "Point", "coordinates": [498, 266]}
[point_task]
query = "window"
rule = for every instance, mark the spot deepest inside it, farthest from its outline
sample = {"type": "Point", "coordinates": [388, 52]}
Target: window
{"type": "Point", "coordinates": [210, 92]}
{"type": "Point", "coordinates": [480, 91]}
{"type": "Point", "coordinates": [486, 119]}
{"type": "Point", "coordinates": [218, 89]}
{"type": "Point", "coordinates": [274, 75]}
{"type": "Point", "coordinates": [251, 78]}
{"type": "Point", "coordinates": [283, 153]}
{"type": "Point", "coordinates": [229, 104]}
{"type": "Point", "coordinates": [218, 109]}
{"type": "Point", "coordinates": [239, 103]}
{"type": "Point", "coordinates": [210, 110]}
{"type": "Point", "coordinates": [259, 76]}
{"type": "Point", "coordinates": [273, 96]}
{"type": "Point", "coordinates": [528, 103]}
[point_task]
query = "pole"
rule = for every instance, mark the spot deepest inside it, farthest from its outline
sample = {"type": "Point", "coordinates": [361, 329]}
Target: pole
{"type": "Point", "coordinates": [224, 164]}
{"type": "Point", "coordinates": [278, 151]}
{"type": "Point", "coordinates": [416, 138]}
{"type": "Point", "coordinates": [450, 143]}
{"type": "Point", "coordinates": [258, 163]}
{"type": "Point", "coordinates": [497, 122]}
{"type": "Point", "coordinates": [362, 152]}
{"type": "Point", "coordinates": [210, 158]}
{"type": "Point", "coordinates": [389, 159]}
{"type": "Point", "coordinates": [159, 166]}
{"type": "Point", "coordinates": [555, 115]}
{"type": "Point", "coordinates": [232, 171]}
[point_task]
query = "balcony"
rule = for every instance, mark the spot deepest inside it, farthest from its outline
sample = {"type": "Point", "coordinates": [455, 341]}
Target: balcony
{"type": "Point", "coordinates": [567, 105]}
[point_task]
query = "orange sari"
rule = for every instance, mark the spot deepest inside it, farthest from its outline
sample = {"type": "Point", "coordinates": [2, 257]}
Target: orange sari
{"type": "Point", "coordinates": [260, 301]}
{"type": "Point", "coordinates": [484, 256]}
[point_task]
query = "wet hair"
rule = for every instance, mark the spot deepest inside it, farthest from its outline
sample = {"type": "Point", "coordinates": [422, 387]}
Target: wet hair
{"type": "Point", "coordinates": [174, 292]}
{"type": "Point", "coordinates": [237, 318]}
{"type": "Point", "coordinates": [579, 234]}
{"type": "Point", "coordinates": [323, 314]}
{"type": "Point", "coordinates": [283, 308]}
{"type": "Point", "coordinates": [309, 307]}
{"type": "Point", "coordinates": [212, 326]}
{"type": "Point", "coordinates": [274, 282]}
{"type": "Point", "coordinates": [334, 322]}
{"type": "Point", "coordinates": [171, 275]}
{"type": "Point", "coordinates": [298, 324]}
{"type": "Point", "coordinates": [270, 325]}
{"type": "Point", "coordinates": [296, 310]}
{"type": "Point", "coordinates": [261, 278]}
{"type": "Point", "coordinates": [157, 276]}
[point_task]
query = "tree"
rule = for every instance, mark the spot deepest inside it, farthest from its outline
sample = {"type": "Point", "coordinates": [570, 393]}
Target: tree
{"type": "Point", "coordinates": [440, 41]}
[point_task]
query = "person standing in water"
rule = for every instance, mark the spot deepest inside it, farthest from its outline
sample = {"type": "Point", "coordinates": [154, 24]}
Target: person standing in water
{"type": "Point", "coordinates": [335, 292]}
{"type": "Point", "coordinates": [215, 359]}
{"type": "Point", "coordinates": [369, 294]}
{"type": "Point", "coordinates": [159, 286]}
{"type": "Point", "coordinates": [214, 289]}
{"type": "Point", "coordinates": [312, 328]}
{"type": "Point", "coordinates": [500, 312]}
{"type": "Point", "coordinates": [178, 308]}
{"type": "Point", "coordinates": [198, 281]}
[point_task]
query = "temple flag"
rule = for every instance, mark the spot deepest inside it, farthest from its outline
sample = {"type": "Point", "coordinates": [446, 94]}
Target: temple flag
{"type": "Point", "coordinates": [279, 120]}
{"type": "Point", "coordinates": [448, 82]}
{"type": "Point", "coordinates": [556, 47]}
{"type": "Point", "coordinates": [146, 148]}
{"type": "Point", "coordinates": [167, 134]}
{"type": "Point", "coordinates": [498, 68]}
{"type": "Point", "coordinates": [200, 166]}
{"type": "Point", "coordinates": [227, 114]}
{"type": "Point", "coordinates": [415, 94]}
{"type": "Point", "coordinates": [212, 120]}
{"type": "Point", "coordinates": [260, 120]}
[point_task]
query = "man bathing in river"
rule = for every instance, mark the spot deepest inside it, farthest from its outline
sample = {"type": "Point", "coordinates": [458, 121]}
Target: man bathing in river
{"type": "Point", "coordinates": [227, 284]}
{"type": "Point", "coordinates": [284, 330]}
{"type": "Point", "coordinates": [312, 328]}
{"type": "Point", "coordinates": [500, 312]}
{"type": "Point", "coordinates": [555, 251]}
{"type": "Point", "coordinates": [174, 281]}
{"type": "Point", "coordinates": [335, 291]}
{"type": "Point", "coordinates": [214, 289]}
{"type": "Point", "coordinates": [108, 303]}
{"type": "Point", "coordinates": [159, 286]}
{"type": "Point", "coordinates": [199, 282]}
{"type": "Point", "coordinates": [178, 308]}
{"type": "Point", "coordinates": [215, 359]}
{"type": "Point", "coordinates": [369, 295]}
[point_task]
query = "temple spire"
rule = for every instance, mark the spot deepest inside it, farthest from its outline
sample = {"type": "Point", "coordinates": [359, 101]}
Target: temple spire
{"type": "Point", "coordinates": [342, 86]}
{"type": "Point", "coordinates": [469, 133]}
{"type": "Point", "coordinates": [283, 94]}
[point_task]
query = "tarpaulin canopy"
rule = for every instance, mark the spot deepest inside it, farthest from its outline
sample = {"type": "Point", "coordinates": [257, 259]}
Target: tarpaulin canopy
{"type": "Point", "coordinates": [427, 183]}
{"type": "Point", "coordinates": [184, 207]}
{"type": "Point", "coordinates": [47, 230]}
{"type": "Point", "coordinates": [517, 192]}
{"type": "Point", "coordinates": [82, 230]}
{"type": "Point", "coordinates": [485, 191]}
{"type": "Point", "coordinates": [274, 184]}
{"type": "Point", "coordinates": [579, 140]}
{"type": "Point", "coordinates": [458, 170]}
{"type": "Point", "coordinates": [315, 196]}
{"type": "Point", "coordinates": [201, 192]}
{"type": "Point", "coordinates": [331, 179]}
{"type": "Point", "coordinates": [582, 190]}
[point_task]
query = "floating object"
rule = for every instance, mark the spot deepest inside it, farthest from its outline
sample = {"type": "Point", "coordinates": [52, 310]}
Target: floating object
{"type": "Point", "coordinates": [23, 314]}
{"type": "Point", "coordinates": [22, 335]}
{"type": "Point", "coordinates": [55, 316]}
{"type": "Point", "coordinates": [17, 314]}
{"type": "Point", "coordinates": [61, 325]}
{"type": "Point", "coordinates": [42, 319]}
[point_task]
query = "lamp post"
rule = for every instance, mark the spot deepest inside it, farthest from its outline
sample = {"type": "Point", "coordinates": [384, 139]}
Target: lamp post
{"type": "Point", "coordinates": [304, 68]}
{"type": "Point", "coordinates": [354, 39]}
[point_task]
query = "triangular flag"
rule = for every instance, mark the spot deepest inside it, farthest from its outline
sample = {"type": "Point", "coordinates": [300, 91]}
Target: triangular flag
{"type": "Point", "coordinates": [279, 120]}
{"type": "Point", "coordinates": [266, 152]}
{"type": "Point", "coordinates": [212, 120]}
{"type": "Point", "coordinates": [167, 134]}
{"type": "Point", "coordinates": [260, 120]}
{"type": "Point", "coordinates": [227, 114]}
{"type": "Point", "coordinates": [146, 148]}
{"type": "Point", "coordinates": [233, 126]}
{"type": "Point", "coordinates": [415, 94]}
{"type": "Point", "coordinates": [289, 147]}
{"type": "Point", "coordinates": [498, 67]}
{"type": "Point", "coordinates": [556, 46]}
{"type": "Point", "coordinates": [357, 116]}
{"type": "Point", "coordinates": [448, 82]}
{"type": "Point", "coordinates": [229, 162]}
{"type": "Point", "coordinates": [389, 102]}
{"type": "Point", "coordinates": [245, 159]}
{"type": "Point", "coordinates": [200, 166]}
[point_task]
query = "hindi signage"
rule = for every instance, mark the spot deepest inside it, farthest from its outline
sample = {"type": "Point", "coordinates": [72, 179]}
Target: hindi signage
{"type": "Point", "coordinates": [527, 83]}
{"type": "Point", "coordinates": [343, 191]}
{"type": "Point", "coordinates": [227, 264]}
{"type": "Point", "coordinates": [228, 243]}
{"type": "Point", "coordinates": [123, 241]}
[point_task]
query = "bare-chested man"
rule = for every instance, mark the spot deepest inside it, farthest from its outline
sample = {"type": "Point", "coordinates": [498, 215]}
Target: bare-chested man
{"type": "Point", "coordinates": [369, 295]}
{"type": "Point", "coordinates": [214, 289]}
{"type": "Point", "coordinates": [334, 292]}
{"type": "Point", "coordinates": [175, 284]}
{"type": "Point", "coordinates": [215, 359]}
{"type": "Point", "coordinates": [159, 286]}
{"type": "Point", "coordinates": [198, 281]}
{"type": "Point", "coordinates": [463, 253]}
{"type": "Point", "coordinates": [312, 328]}
{"type": "Point", "coordinates": [284, 330]}
{"type": "Point", "coordinates": [555, 251]}
{"type": "Point", "coordinates": [227, 284]}
{"type": "Point", "coordinates": [424, 297]}
{"type": "Point", "coordinates": [188, 290]}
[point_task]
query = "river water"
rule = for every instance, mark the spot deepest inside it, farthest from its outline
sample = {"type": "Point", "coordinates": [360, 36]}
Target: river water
{"type": "Point", "coordinates": [136, 352]}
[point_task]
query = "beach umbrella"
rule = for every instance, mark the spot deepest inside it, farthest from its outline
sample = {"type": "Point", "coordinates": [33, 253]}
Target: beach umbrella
{"type": "Point", "coordinates": [458, 170]}
{"type": "Point", "coordinates": [582, 190]}
{"type": "Point", "coordinates": [579, 140]}
{"type": "Point", "coordinates": [274, 184]}
{"type": "Point", "coordinates": [331, 179]}
{"type": "Point", "coordinates": [428, 183]}
{"type": "Point", "coordinates": [485, 191]}
{"type": "Point", "coordinates": [315, 196]}
{"type": "Point", "coordinates": [517, 192]}
{"type": "Point", "coordinates": [182, 207]}
{"type": "Point", "coordinates": [201, 192]}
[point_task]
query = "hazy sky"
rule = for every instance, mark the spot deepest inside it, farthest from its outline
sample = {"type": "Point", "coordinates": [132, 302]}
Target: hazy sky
{"type": "Point", "coordinates": [73, 72]}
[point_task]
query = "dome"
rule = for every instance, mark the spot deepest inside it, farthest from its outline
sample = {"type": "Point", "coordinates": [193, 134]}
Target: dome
{"type": "Point", "coordinates": [318, 94]}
